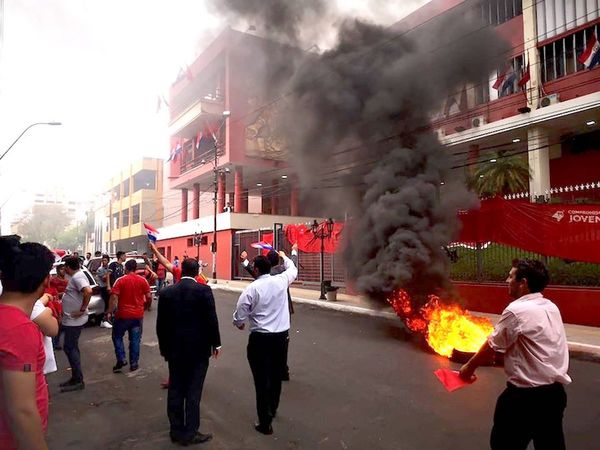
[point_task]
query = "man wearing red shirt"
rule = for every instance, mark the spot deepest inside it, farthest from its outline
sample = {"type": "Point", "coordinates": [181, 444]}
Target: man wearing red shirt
{"type": "Point", "coordinates": [24, 272]}
{"type": "Point", "coordinates": [131, 295]}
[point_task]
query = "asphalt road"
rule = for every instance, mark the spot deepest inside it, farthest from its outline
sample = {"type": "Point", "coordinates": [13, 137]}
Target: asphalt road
{"type": "Point", "coordinates": [357, 383]}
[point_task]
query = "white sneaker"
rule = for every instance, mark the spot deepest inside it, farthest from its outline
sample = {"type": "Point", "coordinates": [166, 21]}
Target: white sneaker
{"type": "Point", "coordinates": [105, 324]}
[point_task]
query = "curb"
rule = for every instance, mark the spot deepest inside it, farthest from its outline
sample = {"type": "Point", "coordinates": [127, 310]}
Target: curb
{"type": "Point", "coordinates": [576, 347]}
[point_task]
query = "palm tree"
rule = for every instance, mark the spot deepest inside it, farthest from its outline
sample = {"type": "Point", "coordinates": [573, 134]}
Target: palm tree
{"type": "Point", "coordinates": [506, 175]}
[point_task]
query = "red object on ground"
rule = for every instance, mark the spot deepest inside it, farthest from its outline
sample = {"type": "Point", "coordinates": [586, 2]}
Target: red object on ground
{"type": "Point", "coordinates": [451, 380]}
{"type": "Point", "coordinates": [564, 231]}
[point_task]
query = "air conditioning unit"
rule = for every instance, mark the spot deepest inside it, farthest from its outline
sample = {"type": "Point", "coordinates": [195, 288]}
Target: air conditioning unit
{"type": "Point", "coordinates": [478, 121]}
{"type": "Point", "coordinates": [548, 100]}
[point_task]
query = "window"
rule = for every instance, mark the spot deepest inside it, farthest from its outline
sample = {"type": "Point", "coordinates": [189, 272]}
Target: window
{"type": "Point", "coordinates": [515, 69]}
{"type": "Point", "coordinates": [115, 220]}
{"type": "Point", "coordinates": [144, 179]}
{"type": "Point", "coordinates": [135, 214]}
{"type": "Point", "coordinates": [116, 192]}
{"type": "Point", "coordinates": [125, 217]}
{"type": "Point", "coordinates": [559, 58]}
{"type": "Point", "coordinates": [481, 92]}
{"type": "Point", "coordinates": [496, 12]}
{"type": "Point", "coordinates": [126, 188]}
{"type": "Point", "coordinates": [190, 242]}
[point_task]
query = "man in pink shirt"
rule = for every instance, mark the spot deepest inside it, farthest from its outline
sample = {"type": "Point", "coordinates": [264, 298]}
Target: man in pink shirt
{"type": "Point", "coordinates": [24, 273]}
{"type": "Point", "coordinates": [532, 337]}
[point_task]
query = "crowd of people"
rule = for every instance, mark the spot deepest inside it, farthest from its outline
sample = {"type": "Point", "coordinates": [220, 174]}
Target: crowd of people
{"type": "Point", "coordinates": [36, 309]}
{"type": "Point", "coordinates": [530, 334]}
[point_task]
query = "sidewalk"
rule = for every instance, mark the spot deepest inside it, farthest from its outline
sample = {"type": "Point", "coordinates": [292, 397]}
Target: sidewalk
{"type": "Point", "coordinates": [582, 340]}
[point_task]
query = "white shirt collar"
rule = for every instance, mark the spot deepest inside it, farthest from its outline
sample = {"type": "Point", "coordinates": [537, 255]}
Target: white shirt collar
{"type": "Point", "coordinates": [531, 296]}
{"type": "Point", "coordinates": [263, 276]}
{"type": "Point", "coordinates": [189, 278]}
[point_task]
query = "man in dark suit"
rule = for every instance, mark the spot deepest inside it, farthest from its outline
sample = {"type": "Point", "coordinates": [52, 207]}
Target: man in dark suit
{"type": "Point", "coordinates": [188, 334]}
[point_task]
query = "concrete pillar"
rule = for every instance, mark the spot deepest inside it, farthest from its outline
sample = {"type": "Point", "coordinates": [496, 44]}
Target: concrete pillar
{"type": "Point", "coordinates": [539, 161]}
{"type": "Point", "coordinates": [245, 197]}
{"type": "Point", "coordinates": [294, 208]}
{"type": "Point", "coordinates": [238, 188]}
{"type": "Point", "coordinates": [196, 202]}
{"type": "Point", "coordinates": [531, 52]}
{"type": "Point", "coordinates": [184, 205]}
{"type": "Point", "coordinates": [221, 193]}
{"type": "Point", "coordinates": [274, 197]}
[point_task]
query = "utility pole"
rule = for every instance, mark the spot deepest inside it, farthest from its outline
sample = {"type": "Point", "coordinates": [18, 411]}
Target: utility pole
{"type": "Point", "coordinates": [213, 247]}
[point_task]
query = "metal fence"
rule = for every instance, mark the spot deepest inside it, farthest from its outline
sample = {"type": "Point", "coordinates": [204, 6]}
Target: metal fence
{"type": "Point", "coordinates": [309, 263]}
{"type": "Point", "coordinates": [486, 262]}
{"type": "Point", "coordinates": [490, 262]}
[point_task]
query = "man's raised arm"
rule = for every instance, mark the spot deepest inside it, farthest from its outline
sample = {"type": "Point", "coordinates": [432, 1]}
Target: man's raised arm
{"type": "Point", "coordinates": [161, 259]}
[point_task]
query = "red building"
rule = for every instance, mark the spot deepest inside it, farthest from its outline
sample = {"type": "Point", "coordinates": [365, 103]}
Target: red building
{"type": "Point", "coordinates": [215, 115]}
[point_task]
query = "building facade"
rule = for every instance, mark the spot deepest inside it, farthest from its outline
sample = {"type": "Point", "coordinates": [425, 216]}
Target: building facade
{"type": "Point", "coordinates": [218, 151]}
{"type": "Point", "coordinates": [135, 198]}
{"type": "Point", "coordinates": [542, 105]}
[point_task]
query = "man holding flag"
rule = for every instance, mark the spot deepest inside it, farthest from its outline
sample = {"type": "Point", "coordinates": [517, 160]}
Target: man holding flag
{"type": "Point", "coordinates": [176, 271]}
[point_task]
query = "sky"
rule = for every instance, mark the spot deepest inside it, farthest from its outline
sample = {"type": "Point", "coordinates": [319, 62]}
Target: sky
{"type": "Point", "coordinates": [98, 67]}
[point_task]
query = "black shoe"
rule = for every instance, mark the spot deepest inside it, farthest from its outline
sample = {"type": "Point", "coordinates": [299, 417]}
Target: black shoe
{"type": "Point", "coordinates": [74, 386]}
{"type": "Point", "coordinates": [120, 364]}
{"type": "Point", "coordinates": [67, 383]}
{"type": "Point", "coordinates": [264, 429]}
{"type": "Point", "coordinates": [134, 367]}
{"type": "Point", "coordinates": [199, 438]}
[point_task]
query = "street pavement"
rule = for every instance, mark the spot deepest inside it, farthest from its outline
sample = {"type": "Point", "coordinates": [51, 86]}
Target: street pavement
{"type": "Point", "coordinates": [358, 382]}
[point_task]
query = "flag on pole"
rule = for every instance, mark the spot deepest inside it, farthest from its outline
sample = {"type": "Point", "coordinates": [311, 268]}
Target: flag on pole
{"type": "Point", "coordinates": [591, 55]}
{"type": "Point", "coordinates": [525, 77]}
{"type": "Point", "coordinates": [261, 245]}
{"type": "Point", "coordinates": [151, 232]}
{"type": "Point", "coordinates": [198, 139]}
{"type": "Point", "coordinates": [499, 80]}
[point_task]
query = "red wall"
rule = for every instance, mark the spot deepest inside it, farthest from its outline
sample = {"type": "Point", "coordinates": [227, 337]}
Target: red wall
{"type": "Point", "coordinates": [577, 305]}
{"type": "Point", "coordinates": [575, 168]}
{"type": "Point", "coordinates": [224, 245]}
{"type": "Point", "coordinates": [575, 85]}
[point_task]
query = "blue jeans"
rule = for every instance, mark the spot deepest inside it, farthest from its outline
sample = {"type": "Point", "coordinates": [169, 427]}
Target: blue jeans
{"type": "Point", "coordinates": [134, 328]}
{"type": "Point", "coordinates": [71, 348]}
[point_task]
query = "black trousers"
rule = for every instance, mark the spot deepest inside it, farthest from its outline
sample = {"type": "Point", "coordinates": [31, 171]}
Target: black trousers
{"type": "Point", "coordinates": [186, 379]}
{"type": "Point", "coordinates": [267, 354]}
{"type": "Point", "coordinates": [71, 348]}
{"type": "Point", "coordinates": [526, 414]}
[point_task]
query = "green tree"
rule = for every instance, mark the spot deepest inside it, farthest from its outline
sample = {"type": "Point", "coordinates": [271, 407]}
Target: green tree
{"type": "Point", "coordinates": [508, 175]}
{"type": "Point", "coordinates": [44, 223]}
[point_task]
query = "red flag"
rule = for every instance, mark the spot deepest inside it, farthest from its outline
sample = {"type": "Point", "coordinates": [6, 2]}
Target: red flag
{"type": "Point", "coordinates": [525, 77]}
{"type": "Point", "coordinates": [500, 80]}
{"type": "Point", "coordinates": [451, 380]}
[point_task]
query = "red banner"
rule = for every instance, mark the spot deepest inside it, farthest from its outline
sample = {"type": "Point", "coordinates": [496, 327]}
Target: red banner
{"type": "Point", "coordinates": [564, 231]}
{"type": "Point", "coordinates": [309, 243]}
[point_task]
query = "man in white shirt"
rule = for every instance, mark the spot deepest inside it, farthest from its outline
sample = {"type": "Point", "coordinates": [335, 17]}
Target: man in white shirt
{"type": "Point", "coordinates": [264, 304]}
{"type": "Point", "coordinates": [532, 337]}
{"type": "Point", "coordinates": [75, 315]}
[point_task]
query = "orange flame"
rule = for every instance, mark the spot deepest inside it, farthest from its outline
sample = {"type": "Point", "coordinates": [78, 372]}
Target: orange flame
{"type": "Point", "coordinates": [445, 327]}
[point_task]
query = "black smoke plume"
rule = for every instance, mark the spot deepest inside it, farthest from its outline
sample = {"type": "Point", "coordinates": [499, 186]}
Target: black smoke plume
{"type": "Point", "coordinates": [356, 121]}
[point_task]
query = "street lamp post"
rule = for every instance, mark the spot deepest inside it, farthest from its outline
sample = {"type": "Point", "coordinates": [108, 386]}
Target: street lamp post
{"type": "Point", "coordinates": [25, 131]}
{"type": "Point", "coordinates": [213, 247]}
{"type": "Point", "coordinates": [197, 243]}
{"type": "Point", "coordinates": [322, 231]}
{"type": "Point", "coordinates": [13, 144]}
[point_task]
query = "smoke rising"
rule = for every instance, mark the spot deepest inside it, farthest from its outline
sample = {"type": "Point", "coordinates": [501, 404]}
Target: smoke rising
{"type": "Point", "coordinates": [356, 125]}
